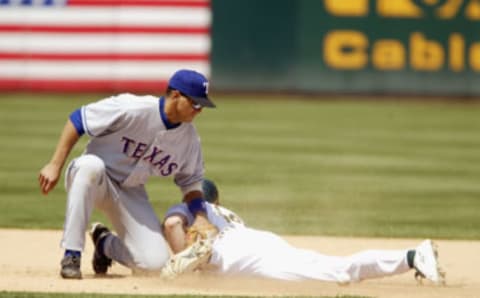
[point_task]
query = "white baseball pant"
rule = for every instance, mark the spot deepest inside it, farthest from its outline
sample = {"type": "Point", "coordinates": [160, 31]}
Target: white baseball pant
{"type": "Point", "coordinates": [140, 243]}
{"type": "Point", "coordinates": [250, 252]}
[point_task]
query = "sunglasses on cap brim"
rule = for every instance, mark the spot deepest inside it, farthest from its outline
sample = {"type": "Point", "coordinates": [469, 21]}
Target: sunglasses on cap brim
{"type": "Point", "coordinates": [195, 106]}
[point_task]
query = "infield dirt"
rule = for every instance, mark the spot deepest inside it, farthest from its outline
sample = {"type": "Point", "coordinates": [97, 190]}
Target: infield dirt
{"type": "Point", "coordinates": [29, 262]}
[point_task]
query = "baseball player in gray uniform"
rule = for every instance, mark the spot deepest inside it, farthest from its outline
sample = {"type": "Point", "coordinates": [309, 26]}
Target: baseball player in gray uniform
{"type": "Point", "coordinates": [240, 250]}
{"type": "Point", "coordinates": [131, 138]}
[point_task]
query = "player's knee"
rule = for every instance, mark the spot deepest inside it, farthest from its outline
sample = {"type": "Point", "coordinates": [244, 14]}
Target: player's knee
{"type": "Point", "coordinates": [90, 165]}
{"type": "Point", "coordinates": [152, 255]}
{"type": "Point", "coordinates": [90, 162]}
{"type": "Point", "coordinates": [152, 261]}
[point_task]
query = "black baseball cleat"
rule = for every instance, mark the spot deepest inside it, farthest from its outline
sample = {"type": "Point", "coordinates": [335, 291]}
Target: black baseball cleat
{"type": "Point", "coordinates": [71, 267]}
{"type": "Point", "coordinates": [100, 261]}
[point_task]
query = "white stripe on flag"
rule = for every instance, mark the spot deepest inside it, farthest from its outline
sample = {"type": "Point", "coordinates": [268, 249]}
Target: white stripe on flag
{"type": "Point", "coordinates": [102, 43]}
{"type": "Point", "coordinates": [135, 16]}
{"type": "Point", "coordinates": [97, 69]}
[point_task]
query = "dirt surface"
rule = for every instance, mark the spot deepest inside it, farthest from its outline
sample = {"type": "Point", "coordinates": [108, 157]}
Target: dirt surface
{"type": "Point", "coordinates": [30, 262]}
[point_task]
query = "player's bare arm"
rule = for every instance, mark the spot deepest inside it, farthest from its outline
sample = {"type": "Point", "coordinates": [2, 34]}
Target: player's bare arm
{"type": "Point", "coordinates": [50, 173]}
{"type": "Point", "coordinates": [174, 229]}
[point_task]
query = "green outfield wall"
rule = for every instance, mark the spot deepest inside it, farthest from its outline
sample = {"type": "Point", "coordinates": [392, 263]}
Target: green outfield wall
{"type": "Point", "coordinates": [357, 46]}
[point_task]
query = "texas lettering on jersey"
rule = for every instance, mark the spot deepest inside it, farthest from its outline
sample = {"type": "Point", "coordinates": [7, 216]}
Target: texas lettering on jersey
{"type": "Point", "coordinates": [156, 157]}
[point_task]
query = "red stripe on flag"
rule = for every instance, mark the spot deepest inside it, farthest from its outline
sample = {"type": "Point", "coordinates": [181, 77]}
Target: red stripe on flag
{"type": "Point", "coordinates": [101, 56]}
{"type": "Point", "coordinates": [172, 3]}
{"type": "Point", "coordinates": [154, 86]}
{"type": "Point", "coordinates": [104, 29]}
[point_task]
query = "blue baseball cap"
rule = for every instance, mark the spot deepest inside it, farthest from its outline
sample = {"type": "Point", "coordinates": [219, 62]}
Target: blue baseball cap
{"type": "Point", "coordinates": [193, 84]}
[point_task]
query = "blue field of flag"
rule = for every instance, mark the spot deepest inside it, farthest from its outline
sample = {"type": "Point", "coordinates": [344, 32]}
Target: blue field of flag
{"type": "Point", "coordinates": [33, 2]}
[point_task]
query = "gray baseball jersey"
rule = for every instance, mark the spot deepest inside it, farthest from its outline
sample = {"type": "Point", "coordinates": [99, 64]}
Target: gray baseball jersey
{"type": "Point", "coordinates": [131, 135]}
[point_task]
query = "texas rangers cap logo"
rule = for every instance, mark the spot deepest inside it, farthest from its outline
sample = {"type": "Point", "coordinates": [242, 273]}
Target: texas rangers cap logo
{"type": "Point", "coordinates": [205, 84]}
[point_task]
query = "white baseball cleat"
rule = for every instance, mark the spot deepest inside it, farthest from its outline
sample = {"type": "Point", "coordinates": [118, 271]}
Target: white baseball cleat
{"type": "Point", "coordinates": [426, 264]}
{"type": "Point", "coordinates": [188, 259]}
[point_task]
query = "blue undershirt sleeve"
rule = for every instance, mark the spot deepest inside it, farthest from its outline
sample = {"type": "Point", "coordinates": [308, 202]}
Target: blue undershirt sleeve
{"type": "Point", "coordinates": [76, 118]}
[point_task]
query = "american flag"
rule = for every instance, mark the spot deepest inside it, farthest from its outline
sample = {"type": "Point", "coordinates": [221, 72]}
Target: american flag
{"type": "Point", "coordinates": [100, 45]}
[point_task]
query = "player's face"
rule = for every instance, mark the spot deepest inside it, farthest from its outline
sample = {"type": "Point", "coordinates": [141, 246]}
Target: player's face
{"type": "Point", "coordinates": [187, 109]}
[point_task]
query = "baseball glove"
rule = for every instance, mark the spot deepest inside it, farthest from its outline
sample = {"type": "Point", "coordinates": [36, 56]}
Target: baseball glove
{"type": "Point", "coordinates": [188, 260]}
{"type": "Point", "coordinates": [195, 255]}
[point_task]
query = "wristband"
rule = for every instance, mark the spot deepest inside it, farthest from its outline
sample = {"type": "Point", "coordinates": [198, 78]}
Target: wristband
{"type": "Point", "coordinates": [197, 205]}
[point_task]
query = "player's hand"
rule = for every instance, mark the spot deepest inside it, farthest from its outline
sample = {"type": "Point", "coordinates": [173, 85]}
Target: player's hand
{"type": "Point", "coordinates": [201, 228]}
{"type": "Point", "coordinates": [48, 177]}
{"type": "Point", "coordinates": [201, 221]}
